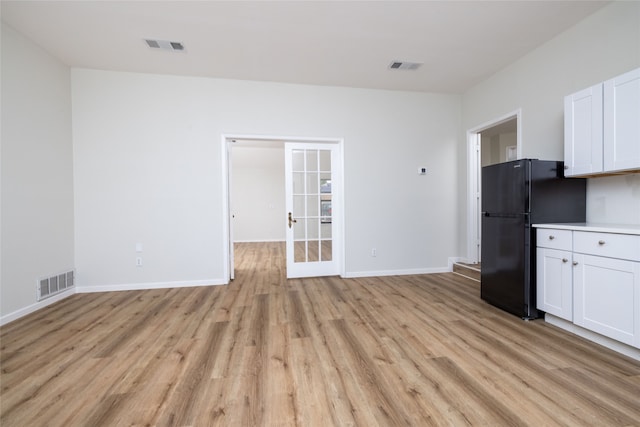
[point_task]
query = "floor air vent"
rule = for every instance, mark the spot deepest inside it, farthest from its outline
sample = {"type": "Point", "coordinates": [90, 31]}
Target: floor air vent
{"type": "Point", "coordinates": [53, 285]}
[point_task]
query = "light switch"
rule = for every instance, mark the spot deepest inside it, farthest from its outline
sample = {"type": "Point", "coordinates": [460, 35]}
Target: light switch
{"type": "Point", "coordinates": [138, 247]}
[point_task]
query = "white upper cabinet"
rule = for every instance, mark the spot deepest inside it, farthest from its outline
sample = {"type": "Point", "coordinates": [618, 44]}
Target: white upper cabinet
{"type": "Point", "coordinates": [622, 122]}
{"type": "Point", "coordinates": [602, 127]}
{"type": "Point", "coordinates": [583, 132]}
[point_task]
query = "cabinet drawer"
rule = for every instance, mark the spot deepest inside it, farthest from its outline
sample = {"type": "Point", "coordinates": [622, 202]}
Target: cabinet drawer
{"type": "Point", "coordinates": [622, 246]}
{"type": "Point", "coordinates": [554, 239]}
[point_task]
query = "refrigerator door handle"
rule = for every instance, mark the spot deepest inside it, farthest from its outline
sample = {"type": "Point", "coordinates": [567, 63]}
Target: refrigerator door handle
{"type": "Point", "coordinates": [504, 215]}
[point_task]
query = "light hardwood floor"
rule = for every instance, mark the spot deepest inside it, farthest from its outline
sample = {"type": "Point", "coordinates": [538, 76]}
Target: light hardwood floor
{"type": "Point", "coordinates": [266, 351]}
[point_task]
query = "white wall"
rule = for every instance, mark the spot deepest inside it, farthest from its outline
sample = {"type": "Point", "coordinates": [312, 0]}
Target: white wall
{"type": "Point", "coordinates": [37, 180]}
{"type": "Point", "coordinates": [257, 199]}
{"type": "Point", "coordinates": [148, 164]}
{"type": "Point", "coordinates": [602, 46]}
{"type": "Point", "coordinates": [494, 148]}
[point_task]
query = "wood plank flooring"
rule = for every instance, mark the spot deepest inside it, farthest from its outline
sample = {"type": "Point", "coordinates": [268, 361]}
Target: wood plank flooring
{"type": "Point", "coordinates": [266, 351]}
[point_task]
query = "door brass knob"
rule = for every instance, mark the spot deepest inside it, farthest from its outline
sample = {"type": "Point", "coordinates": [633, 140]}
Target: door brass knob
{"type": "Point", "coordinates": [291, 220]}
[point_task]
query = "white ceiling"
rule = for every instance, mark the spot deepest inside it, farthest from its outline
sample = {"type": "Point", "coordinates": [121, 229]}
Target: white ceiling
{"type": "Point", "coordinates": [338, 43]}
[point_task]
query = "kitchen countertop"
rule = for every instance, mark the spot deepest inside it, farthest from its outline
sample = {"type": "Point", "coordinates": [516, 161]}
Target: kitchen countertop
{"type": "Point", "coordinates": [594, 226]}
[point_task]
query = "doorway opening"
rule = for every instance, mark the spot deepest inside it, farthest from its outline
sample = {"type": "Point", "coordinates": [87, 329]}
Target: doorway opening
{"type": "Point", "coordinates": [256, 198]}
{"type": "Point", "coordinates": [496, 141]}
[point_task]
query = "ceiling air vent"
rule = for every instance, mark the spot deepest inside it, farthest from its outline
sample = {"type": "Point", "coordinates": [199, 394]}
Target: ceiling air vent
{"type": "Point", "coordinates": [404, 65]}
{"type": "Point", "coordinates": [152, 43]}
{"type": "Point", "coordinates": [164, 45]}
{"type": "Point", "coordinates": [176, 46]}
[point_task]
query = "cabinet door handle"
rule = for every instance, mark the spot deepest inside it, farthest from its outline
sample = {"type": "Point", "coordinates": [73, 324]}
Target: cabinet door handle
{"type": "Point", "coordinates": [601, 242]}
{"type": "Point", "coordinates": [566, 167]}
{"type": "Point", "coordinates": [575, 262]}
{"type": "Point", "coordinates": [552, 237]}
{"type": "Point", "coordinates": [565, 260]}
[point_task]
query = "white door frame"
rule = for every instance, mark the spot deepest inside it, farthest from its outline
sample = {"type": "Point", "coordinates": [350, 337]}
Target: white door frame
{"type": "Point", "coordinates": [227, 245]}
{"type": "Point", "coordinates": [474, 172]}
{"type": "Point", "coordinates": [228, 160]}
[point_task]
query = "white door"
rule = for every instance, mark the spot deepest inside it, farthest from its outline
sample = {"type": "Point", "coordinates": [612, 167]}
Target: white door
{"type": "Point", "coordinates": [622, 122]}
{"type": "Point", "coordinates": [311, 180]}
{"type": "Point", "coordinates": [583, 132]}
{"type": "Point", "coordinates": [605, 295]}
{"type": "Point", "coordinates": [554, 282]}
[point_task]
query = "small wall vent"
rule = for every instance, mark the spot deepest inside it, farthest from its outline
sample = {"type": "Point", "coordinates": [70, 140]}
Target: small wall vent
{"type": "Point", "coordinates": [164, 45]}
{"type": "Point", "coordinates": [404, 65]}
{"type": "Point", "coordinates": [50, 286]}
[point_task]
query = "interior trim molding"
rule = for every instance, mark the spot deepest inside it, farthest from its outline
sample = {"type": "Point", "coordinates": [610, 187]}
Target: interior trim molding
{"type": "Point", "coordinates": [406, 272]}
{"type": "Point", "coordinates": [151, 285]}
{"type": "Point", "coordinates": [259, 241]}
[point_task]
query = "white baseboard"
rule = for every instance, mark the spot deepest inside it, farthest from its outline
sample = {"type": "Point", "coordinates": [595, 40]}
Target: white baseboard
{"type": "Point", "coordinates": [35, 307]}
{"type": "Point", "coordinates": [614, 345]}
{"type": "Point", "coordinates": [408, 272]}
{"type": "Point", "coordinates": [259, 241]}
{"type": "Point", "coordinates": [144, 286]}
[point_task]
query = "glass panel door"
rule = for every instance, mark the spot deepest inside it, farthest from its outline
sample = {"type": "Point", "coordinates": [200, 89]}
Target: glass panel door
{"type": "Point", "coordinates": [310, 176]}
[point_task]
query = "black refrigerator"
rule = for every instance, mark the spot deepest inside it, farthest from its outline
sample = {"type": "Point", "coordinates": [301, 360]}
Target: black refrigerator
{"type": "Point", "coordinates": [516, 195]}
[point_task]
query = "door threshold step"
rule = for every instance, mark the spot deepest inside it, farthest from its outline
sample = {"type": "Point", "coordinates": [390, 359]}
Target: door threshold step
{"type": "Point", "coordinates": [470, 271]}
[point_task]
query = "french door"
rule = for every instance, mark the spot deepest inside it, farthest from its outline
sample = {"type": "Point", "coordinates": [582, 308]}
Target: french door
{"type": "Point", "coordinates": [311, 178]}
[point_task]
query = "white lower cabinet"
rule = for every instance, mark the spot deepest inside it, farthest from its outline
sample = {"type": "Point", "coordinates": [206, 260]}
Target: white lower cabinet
{"type": "Point", "coordinates": [591, 279]}
{"type": "Point", "coordinates": [554, 287]}
{"type": "Point", "coordinates": [606, 297]}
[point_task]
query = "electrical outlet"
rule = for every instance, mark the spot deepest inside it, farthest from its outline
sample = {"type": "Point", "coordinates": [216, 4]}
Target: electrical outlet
{"type": "Point", "coordinates": [139, 261]}
{"type": "Point", "coordinates": [374, 252]}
